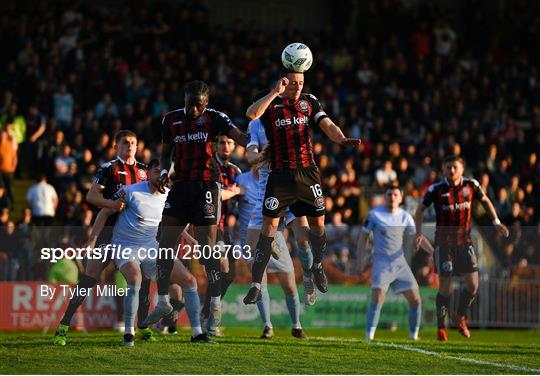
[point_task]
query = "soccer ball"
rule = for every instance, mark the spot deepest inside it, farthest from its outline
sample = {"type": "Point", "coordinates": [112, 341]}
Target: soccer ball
{"type": "Point", "coordinates": [297, 57]}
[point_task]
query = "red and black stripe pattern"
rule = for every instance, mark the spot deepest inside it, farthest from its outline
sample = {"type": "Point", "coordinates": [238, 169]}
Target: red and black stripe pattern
{"type": "Point", "coordinates": [116, 174]}
{"type": "Point", "coordinates": [453, 210]}
{"type": "Point", "coordinates": [288, 129]}
{"type": "Point", "coordinates": [227, 176]}
{"type": "Point", "coordinates": [192, 140]}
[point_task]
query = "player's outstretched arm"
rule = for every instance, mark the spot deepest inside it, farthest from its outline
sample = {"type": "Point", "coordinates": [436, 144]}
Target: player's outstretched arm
{"type": "Point", "coordinates": [488, 205]}
{"type": "Point", "coordinates": [335, 134]}
{"type": "Point", "coordinates": [256, 110]}
{"type": "Point", "coordinates": [418, 219]}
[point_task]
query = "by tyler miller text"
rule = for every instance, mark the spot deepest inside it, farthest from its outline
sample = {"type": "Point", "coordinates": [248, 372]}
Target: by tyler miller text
{"type": "Point", "coordinates": [75, 291]}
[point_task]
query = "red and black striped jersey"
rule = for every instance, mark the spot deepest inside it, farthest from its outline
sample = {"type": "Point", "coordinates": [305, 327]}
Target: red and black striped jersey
{"type": "Point", "coordinates": [453, 209]}
{"type": "Point", "coordinates": [288, 128]}
{"type": "Point", "coordinates": [192, 141]}
{"type": "Point", "coordinates": [115, 174]}
{"type": "Point", "coordinates": [227, 176]}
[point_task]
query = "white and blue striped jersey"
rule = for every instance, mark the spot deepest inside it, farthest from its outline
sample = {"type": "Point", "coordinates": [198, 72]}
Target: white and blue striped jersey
{"type": "Point", "coordinates": [388, 232]}
{"type": "Point", "coordinates": [137, 225]}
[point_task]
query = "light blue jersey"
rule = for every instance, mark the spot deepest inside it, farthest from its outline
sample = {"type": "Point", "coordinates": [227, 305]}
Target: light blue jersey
{"type": "Point", "coordinates": [137, 225]}
{"type": "Point", "coordinates": [258, 138]}
{"type": "Point", "coordinates": [247, 202]}
{"type": "Point", "coordinates": [388, 232]}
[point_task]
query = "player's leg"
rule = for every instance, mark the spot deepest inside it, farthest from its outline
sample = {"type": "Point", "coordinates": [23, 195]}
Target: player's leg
{"type": "Point", "coordinates": [288, 284]}
{"type": "Point", "coordinates": [415, 312]}
{"type": "Point", "coordinates": [169, 229]}
{"type": "Point", "coordinates": [444, 264]}
{"type": "Point", "coordinates": [300, 229]}
{"type": "Point", "coordinates": [317, 239]}
{"type": "Point", "coordinates": [87, 280]}
{"type": "Point", "coordinates": [279, 194]}
{"type": "Point", "coordinates": [144, 303]}
{"type": "Point", "coordinates": [168, 323]}
{"type": "Point", "coordinates": [183, 277]}
{"type": "Point", "coordinates": [466, 299]}
{"type": "Point", "coordinates": [132, 273]}
{"type": "Point", "coordinates": [261, 257]}
{"type": "Point", "coordinates": [206, 236]}
{"type": "Point", "coordinates": [467, 266]}
{"type": "Point", "coordinates": [374, 311]}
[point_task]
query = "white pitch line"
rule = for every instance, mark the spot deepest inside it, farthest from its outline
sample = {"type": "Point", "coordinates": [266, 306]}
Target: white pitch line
{"type": "Point", "coordinates": [433, 353]}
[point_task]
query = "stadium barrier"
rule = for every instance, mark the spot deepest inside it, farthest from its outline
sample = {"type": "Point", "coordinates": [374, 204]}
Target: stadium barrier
{"type": "Point", "coordinates": [501, 303]}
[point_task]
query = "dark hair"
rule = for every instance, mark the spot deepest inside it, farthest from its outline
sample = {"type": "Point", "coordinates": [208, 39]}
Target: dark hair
{"type": "Point", "coordinates": [284, 72]}
{"type": "Point", "coordinates": [196, 88]}
{"type": "Point", "coordinates": [153, 163]}
{"type": "Point", "coordinates": [123, 133]}
{"type": "Point", "coordinates": [391, 187]}
{"type": "Point", "coordinates": [453, 158]}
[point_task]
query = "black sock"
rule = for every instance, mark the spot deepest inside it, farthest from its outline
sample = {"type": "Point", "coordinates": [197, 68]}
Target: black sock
{"type": "Point", "coordinates": [144, 303]}
{"type": "Point", "coordinates": [466, 299]}
{"type": "Point", "coordinates": [171, 318]}
{"type": "Point", "coordinates": [214, 275]}
{"type": "Point", "coordinates": [164, 268]}
{"type": "Point", "coordinates": [262, 256]}
{"type": "Point", "coordinates": [85, 282]}
{"type": "Point", "coordinates": [228, 278]}
{"type": "Point", "coordinates": [119, 301]}
{"type": "Point", "coordinates": [318, 246]}
{"type": "Point", "coordinates": [205, 311]}
{"type": "Point", "coordinates": [442, 309]}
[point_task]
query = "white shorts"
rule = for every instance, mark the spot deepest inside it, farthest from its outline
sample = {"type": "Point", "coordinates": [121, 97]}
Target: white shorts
{"type": "Point", "coordinates": [397, 276]}
{"type": "Point", "coordinates": [284, 264]}
{"type": "Point", "coordinates": [148, 265]}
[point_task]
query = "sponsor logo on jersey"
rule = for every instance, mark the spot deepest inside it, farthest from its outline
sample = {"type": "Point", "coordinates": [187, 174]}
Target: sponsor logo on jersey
{"type": "Point", "coordinates": [271, 203]}
{"type": "Point", "coordinates": [456, 206]}
{"type": "Point", "coordinates": [294, 121]}
{"type": "Point", "coordinates": [192, 137]}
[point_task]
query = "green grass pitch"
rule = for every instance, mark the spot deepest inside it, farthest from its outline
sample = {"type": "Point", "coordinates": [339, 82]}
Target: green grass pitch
{"type": "Point", "coordinates": [328, 351]}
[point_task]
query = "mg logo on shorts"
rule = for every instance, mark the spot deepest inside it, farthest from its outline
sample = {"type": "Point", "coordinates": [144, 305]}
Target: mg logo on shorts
{"type": "Point", "coordinates": [319, 203]}
{"type": "Point", "coordinates": [447, 266]}
{"type": "Point", "coordinates": [209, 209]}
{"type": "Point", "coordinates": [271, 203]}
{"type": "Point", "coordinates": [167, 205]}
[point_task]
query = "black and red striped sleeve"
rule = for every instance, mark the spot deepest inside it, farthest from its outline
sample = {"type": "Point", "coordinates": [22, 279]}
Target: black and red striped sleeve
{"type": "Point", "coordinates": [166, 135]}
{"type": "Point", "coordinates": [478, 192]}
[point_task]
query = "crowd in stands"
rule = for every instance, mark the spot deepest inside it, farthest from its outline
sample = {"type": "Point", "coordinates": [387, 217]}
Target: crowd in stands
{"type": "Point", "coordinates": [414, 83]}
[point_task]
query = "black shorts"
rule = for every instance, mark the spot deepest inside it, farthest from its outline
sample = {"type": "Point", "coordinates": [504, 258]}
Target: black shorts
{"type": "Point", "coordinates": [455, 260]}
{"type": "Point", "coordinates": [300, 190]}
{"type": "Point", "coordinates": [198, 203]}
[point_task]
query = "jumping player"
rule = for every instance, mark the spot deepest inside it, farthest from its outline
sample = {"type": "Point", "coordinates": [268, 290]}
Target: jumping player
{"type": "Point", "coordinates": [195, 195]}
{"type": "Point", "coordinates": [135, 231]}
{"type": "Point", "coordinates": [288, 116]}
{"type": "Point", "coordinates": [453, 198]}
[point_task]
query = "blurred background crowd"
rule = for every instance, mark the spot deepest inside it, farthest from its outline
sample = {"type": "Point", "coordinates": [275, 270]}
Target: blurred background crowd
{"type": "Point", "coordinates": [414, 82]}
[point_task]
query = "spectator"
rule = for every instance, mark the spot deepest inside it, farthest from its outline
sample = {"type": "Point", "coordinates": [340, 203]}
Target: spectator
{"type": "Point", "coordinates": [386, 174]}
{"type": "Point", "coordinates": [43, 201]}
{"type": "Point", "coordinates": [8, 160]}
{"type": "Point", "coordinates": [63, 107]}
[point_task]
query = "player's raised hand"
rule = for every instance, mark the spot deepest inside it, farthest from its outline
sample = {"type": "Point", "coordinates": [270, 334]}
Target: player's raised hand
{"type": "Point", "coordinates": [280, 86]}
{"type": "Point", "coordinates": [503, 230]}
{"type": "Point", "coordinates": [418, 241]}
{"type": "Point", "coordinates": [164, 182]}
{"type": "Point", "coordinates": [351, 142]}
{"type": "Point", "coordinates": [118, 205]}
